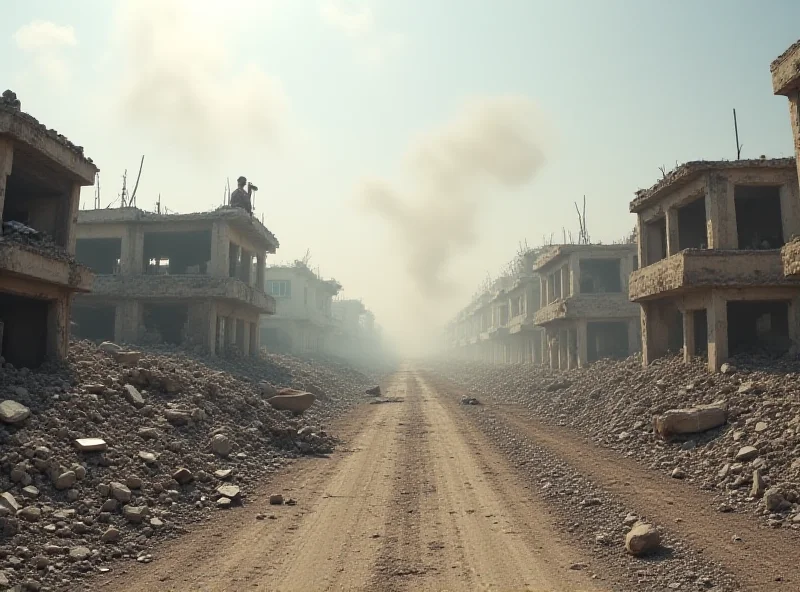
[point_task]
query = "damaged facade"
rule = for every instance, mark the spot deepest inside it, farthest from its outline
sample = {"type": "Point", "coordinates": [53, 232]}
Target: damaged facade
{"type": "Point", "coordinates": [303, 322]}
{"type": "Point", "coordinates": [711, 278]}
{"type": "Point", "coordinates": [785, 72]}
{"type": "Point", "coordinates": [41, 174]}
{"type": "Point", "coordinates": [586, 314]}
{"type": "Point", "coordinates": [190, 279]}
{"type": "Point", "coordinates": [498, 326]}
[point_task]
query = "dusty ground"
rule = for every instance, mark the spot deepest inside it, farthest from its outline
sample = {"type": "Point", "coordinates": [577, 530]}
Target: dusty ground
{"type": "Point", "coordinates": [430, 495]}
{"type": "Point", "coordinates": [413, 502]}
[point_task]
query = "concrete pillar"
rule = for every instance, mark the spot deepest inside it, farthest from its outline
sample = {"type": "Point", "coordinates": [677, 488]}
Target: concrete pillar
{"type": "Point", "coordinates": [790, 210]}
{"type": "Point", "coordinates": [572, 349]}
{"type": "Point", "coordinates": [246, 339]}
{"type": "Point", "coordinates": [6, 163]}
{"type": "Point", "coordinates": [211, 338]}
{"type": "Point", "coordinates": [688, 335]}
{"type": "Point", "coordinates": [655, 334]}
{"type": "Point", "coordinates": [127, 319]}
{"type": "Point", "coordinates": [641, 242]}
{"type": "Point", "coordinates": [261, 262]}
{"type": "Point", "coordinates": [255, 341]}
{"type": "Point", "coordinates": [565, 281]}
{"type": "Point", "coordinates": [131, 260]}
{"type": "Point", "coordinates": [220, 249]}
{"type": "Point", "coordinates": [562, 350]}
{"type": "Point", "coordinates": [552, 349]}
{"type": "Point", "coordinates": [634, 336]}
{"type": "Point", "coordinates": [672, 231]}
{"type": "Point", "coordinates": [543, 290]}
{"type": "Point", "coordinates": [57, 341]}
{"type": "Point", "coordinates": [583, 343]}
{"type": "Point", "coordinates": [575, 274]}
{"type": "Point", "coordinates": [720, 213]}
{"type": "Point", "coordinates": [71, 219]}
{"type": "Point", "coordinates": [717, 332]}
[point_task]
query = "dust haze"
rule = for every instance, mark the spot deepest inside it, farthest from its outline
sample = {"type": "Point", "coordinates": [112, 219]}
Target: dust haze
{"type": "Point", "coordinates": [455, 173]}
{"type": "Point", "coordinates": [180, 84]}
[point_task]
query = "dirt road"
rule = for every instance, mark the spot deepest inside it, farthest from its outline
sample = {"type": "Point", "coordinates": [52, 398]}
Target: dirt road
{"type": "Point", "coordinates": [415, 500]}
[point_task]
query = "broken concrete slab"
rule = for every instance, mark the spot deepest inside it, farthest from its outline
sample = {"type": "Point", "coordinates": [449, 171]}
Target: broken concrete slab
{"type": "Point", "coordinates": [692, 420]}
{"type": "Point", "coordinates": [91, 444]}
{"type": "Point", "coordinates": [133, 396]}
{"type": "Point", "coordinates": [12, 412]}
{"type": "Point", "coordinates": [292, 400]}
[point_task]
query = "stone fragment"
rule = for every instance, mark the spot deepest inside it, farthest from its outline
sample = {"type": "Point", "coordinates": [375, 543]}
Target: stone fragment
{"type": "Point", "coordinates": [133, 396]}
{"type": "Point", "coordinates": [12, 412]}
{"type": "Point", "coordinates": [128, 358]}
{"type": "Point", "coordinates": [292, 400]}
{"type": "Point", "coordinates": [109, 347]}
{"type": "Point", "coordinates": [224, 502]}
{"type": "Point", "coordinates": [276, 499]}
{"type": "Point", "coordinates": [120, 492]}
{"type": "Point", "coordinates": [761, 426]}
{"type": "Point", "coordinates": [774, 500]}
{"type": "Point", "coordinates": [8, 501]}
{"type": "Point", "coordinates": [134, 482]}
{"type": "Point", "coordinates": [746, 453]}
{"type": "Point", "coordinates": [148, 457]}
{"type": "Point", "coordinates": [135, 514]}
{"type": "Point", "coordinates": [690, 421]}
{"type": "Point", "coordinates": [643, 539]}
{"type": "Point", "coordinates": [223, 473]}
{"type": "Point", "coordinates": [30, 514]}
{"type": "Point", "coordinates": [221, 445]}
{"type": "Point", "coordinates": [110, 505]}
{"type": "Point", "coordinates": [66, 480]}
{"type": "Point", "coordinates": [183, 476]}
{"type": "Point", "coordinates": [30, 492]}
{"type": "Point", "coordinates": [177, 417]}
{"type": "Point", "coordinates": [230, 491]}
{"type": "Point", "coordinates": [149, 433]}
{"type": "Point", "coordinates": [757, 490]}
{"type": "Point", "coordinates": [80, 553]}
{"type": "Point", "coordinates": [90, 444]}
{"type": "Point", "coordinates": [678, 473]}
{"type": "Point", "coordinates": [111, 535]}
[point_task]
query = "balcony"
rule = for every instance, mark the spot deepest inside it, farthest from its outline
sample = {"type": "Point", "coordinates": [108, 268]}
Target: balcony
{"type": "Point", "coordinates": [697, 269]}
{"type": "Point", "coordinates": [173, 287]}
{"type": "Point", "coordinates": [587, 306]}
{"type": "Point", "coordinates": [57, 268]}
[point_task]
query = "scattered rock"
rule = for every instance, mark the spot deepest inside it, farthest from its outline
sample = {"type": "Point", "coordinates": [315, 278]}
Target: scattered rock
{"type": "Point", "coordinates": [90, 444]}
{"type": "Point", "coordinates": [230, 491]}
{"type": "Point", "coordinates": [111, 535]}
{"type": "Point", "coordinates": [12, 412]}
{"type": "Point", "coordinates": [135, 514]}
{"type": "Point", "coordinates": [121, 492]}
{"type": "Point", "coordinates": [66, 480]}
{"type": "Point", "coordinates": [276, 499]}
{"type": "Point", "coordinates": [746, 453]}
{"type": "Point", "coordinates": [691, 421]}
{"type": "Point", "coordinates": [133, 396]}
{"type": "Point", "coordinates": [80, 553]}
{"type": "Point", "coordinates": [183, 476]}
{"type": "Point", "coordinates": [221, 445]}
{"type": "Point", "coordinates": [642, 539]}
{"type": "Point", "coordinates": [292, 400]}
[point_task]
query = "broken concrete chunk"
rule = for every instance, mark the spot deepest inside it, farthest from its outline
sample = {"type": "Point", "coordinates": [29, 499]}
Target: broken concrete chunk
{"type": "Point", "coordinates": [183, 476]}
{"type": "Point", "coordinates": [375, 391]}
{"type": "Point", "coordinates": [120, 492]}
{"type": "Point", "coordinates": [135, 514]}
{"type": "Point", "coordinates": [692, 420]}
{"type": "Point", "coordinates": [8, 501]}
{"type": "Point", "coordinates": [133, 396]}
{"type": "Point", "coordinates": [221, 445]}
{"type": "Point", "coordinates": [127, 358]}
{"type": "Point", "coordinates": [178, 417]}
{"type": "Point", "coordinates": [90, 444]}
{"type": "Point", "coordinates": [111, 535]}
{"type": "Point", "coordinates": [109, 347]}
{"type": "Point", "coordinates": [746, 453]}
{"type": "Point", "coordinates": [80, 553]}
{"type": "Point", "coordinates": [223, 473]}
{"type": "Point", "coordinates": [66, 480]}
{"type": "Point", "coordinates": [292, 400]}
{"type": "Point", "coordinates": [230, 491]}
{"type": "Point", "coordinates": [276, 499]}
{"type": "Point", "coordinates": [148, 457]}
{"type": "Point", "coordinates": [12, 412]}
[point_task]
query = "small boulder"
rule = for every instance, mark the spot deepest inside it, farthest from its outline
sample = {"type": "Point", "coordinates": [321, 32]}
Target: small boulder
{"type": "Point", "coordinates": [30, 514]}
{"type": "Point", "coordinates": [149, 458]}
{"type": "Point", "coordinates": [643, 539]}
{"type": "Point", "coordinates": [30, 492]}
{"type": "Point", "coordinates": [690, 421]}
{"type": "Point", "coordinates": [80, 553]}
{"type": "Point", "coordinates": [276, 499]}
{"type": "Point", "coordinates": [292, 400]}
{"type": "Point", "coordinates": [759, 486]}
{"type": "Point", "coordinates": [230, 491]}
{"type": "Point", "coordinates": [375, 391]}
{"type": "Point", "coordinates": [8, 501]}
{"type": "Point", "coordinates": [109, 347]}
{"type": "Point", "coordinates": [111, 535]}
{"type": "Point", "coordinates": [178, 417]}
{"type": "Point", "coordinates": [223, 474]}
{"type": "Point", "coordinates": [120, 492]}
{"type": "Point", "coordinates": [66, 480]}
{"type": "Point", "coordinates": [135, 514]}
{"type": "Point", "coordinates": [774, 500]}
{"type": "Point", "coordinates": [221, 445]}
{"type": "Point", "coordinates": [90, 444]}
{"type": "Point", "coordinates": [127, 358]}
{"type": "Point", "coordinates": [12, 412]}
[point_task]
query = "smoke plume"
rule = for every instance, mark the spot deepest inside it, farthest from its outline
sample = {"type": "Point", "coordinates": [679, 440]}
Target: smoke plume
{"type": "Point", "coordinates": [180, 83]}
{"type": "Point", "coordinates": [491, 143]}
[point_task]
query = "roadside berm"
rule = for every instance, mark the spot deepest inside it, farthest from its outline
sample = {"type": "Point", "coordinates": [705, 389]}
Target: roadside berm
{"type": "Point", "coordinates": [736, 433]}
{"type": "Point", "coordinates": [109, 453]}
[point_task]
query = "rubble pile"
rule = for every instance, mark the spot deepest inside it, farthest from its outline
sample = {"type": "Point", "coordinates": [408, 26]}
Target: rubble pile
{"type": "Point", "coordinates": [751, 458]}
{"type": "Point", "coordinates": [117, 449]}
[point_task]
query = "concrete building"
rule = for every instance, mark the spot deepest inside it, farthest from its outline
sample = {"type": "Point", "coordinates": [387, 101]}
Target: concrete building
{"type": "Point", "coordinates": [497, 327]}
{"type": "Point", "coordinates": [711, 277]}
{"type": "Point", "coordinates": [302, 322]}
{"type": "Point", "coordinates": [786, 81]}
{"type": "Point", "coordinates": [41, 174]}
{"type": "Point", "coordinates": [194, 279]}
{"type": "Point", "coordinates": [356, 335]}
{"type": "Point", "coordinates": [586, 314]}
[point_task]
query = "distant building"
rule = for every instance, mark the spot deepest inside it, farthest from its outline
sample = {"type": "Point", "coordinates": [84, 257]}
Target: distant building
{"type": "Point", "coordinates": [41, 175]}
{"type": "Point", "coordinates": [302, 322]}
{"type": "Point", "coordinates": [585, 312]}
{"type": "Point", "coordinates": [711, 278]}
{"type": "Point", "coordinates": [356, 335]}
{"type": "Point", "coordinates": [193, 279]}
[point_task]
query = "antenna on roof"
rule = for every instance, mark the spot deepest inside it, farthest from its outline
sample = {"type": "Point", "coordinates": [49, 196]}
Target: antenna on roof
{"type": "Point", "coordinates": [97, 191]}
{"type": "Point", "coordinates": [736, 130]}
{"type": "Point", "coordinates": [123, 196]}
{"type": "Point", "coordinates": [228, 195]}
{"type": "Point", "coordinates": [132, 201]}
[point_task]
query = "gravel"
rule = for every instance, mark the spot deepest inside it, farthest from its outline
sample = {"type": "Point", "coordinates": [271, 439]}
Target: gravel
{"type": "Point", "coordinates": [198, 433]}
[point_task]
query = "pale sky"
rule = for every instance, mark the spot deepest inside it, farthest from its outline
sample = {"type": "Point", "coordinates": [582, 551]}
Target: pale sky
{"type": "Point", "coordinates": [314, 100]}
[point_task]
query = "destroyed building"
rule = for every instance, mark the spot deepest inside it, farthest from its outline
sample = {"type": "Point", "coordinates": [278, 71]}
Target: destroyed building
{"type": "Point", "coordinates": [786, 81]}
{"type": "Point", "coordinates": [585, 313]}
{"type": "Point", "coordinates": [356, 336]}
{"type": "Point", "coordinates": [190, 279]}
{"type": "Point", "coordinates": [711, 278]}
{"type": "Point", "coordinates": [41, 174]}
{"type": "Point", "coordinates": [497, 327]}
{"type": "Point", "coordinates": [303, 322]}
